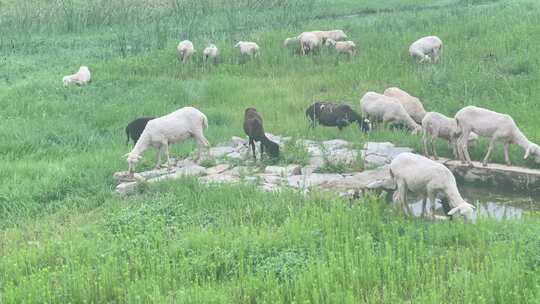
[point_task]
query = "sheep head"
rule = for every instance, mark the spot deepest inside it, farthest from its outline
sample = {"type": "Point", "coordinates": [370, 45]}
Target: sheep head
{"type": "Point", "coordinates": [132, 159]}
{"type": "Point", "coordinates": [464, 209]}
{"type": "Point", "coordinates": [273, 148]}
{"type": "Point", "coordinates": [533, 149]}
{"type": "Point", "coordinates": [66, 80]}
{"type": "Point", "coordinates": [330, 42]}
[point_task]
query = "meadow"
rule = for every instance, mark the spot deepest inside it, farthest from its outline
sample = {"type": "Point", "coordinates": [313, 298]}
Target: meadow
{"type": "Point", "coordinates": [67, 238]}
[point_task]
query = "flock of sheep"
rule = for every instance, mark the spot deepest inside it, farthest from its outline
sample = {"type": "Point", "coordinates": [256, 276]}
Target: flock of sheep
{"type": "Point", "coordinates": [395, 107]}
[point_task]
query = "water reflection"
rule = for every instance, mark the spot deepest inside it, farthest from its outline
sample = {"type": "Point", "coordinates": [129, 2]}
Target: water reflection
{"type": "Point", "coordinates": [489, 203]}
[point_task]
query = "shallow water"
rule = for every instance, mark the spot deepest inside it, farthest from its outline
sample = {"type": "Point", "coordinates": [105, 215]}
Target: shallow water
{"type": "Point", "coordinates": [490, 202]}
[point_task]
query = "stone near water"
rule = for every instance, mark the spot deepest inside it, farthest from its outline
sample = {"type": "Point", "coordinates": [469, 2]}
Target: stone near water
{"type": "Point", "coordinates": [380, 154]}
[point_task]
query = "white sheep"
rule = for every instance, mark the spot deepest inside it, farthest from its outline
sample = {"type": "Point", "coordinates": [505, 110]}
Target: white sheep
{"type": "Point", "coordinates": [185, 50]}
{"type": "Point", "coordinates": [345, 47]}
{"type": "Point", "coordinates": [430, 179]}
{"type": "Point", "coordinates": [426, 49]}
{"type": "Point", "coordinates": [498, 127]}
{"type": "Point", "coordinates": [436, 125]}
{"type": "Point", "coordinates": [412, 104]}
{"type": "Point", "coordinates": [211, 51]}
{"type": "Point", "coordinates": [82, 77]}
{"type": "Point", "coordinates": [247, 48]}
{"type": "Point", "coordinates": [377, 107]}
{"type": "Point", "coordinates": [169, 129]}
{"type": "Point", "coordinates": [309, 41]}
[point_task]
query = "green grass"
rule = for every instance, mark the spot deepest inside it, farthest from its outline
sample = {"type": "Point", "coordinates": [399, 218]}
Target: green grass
{"type": "Point", "coordinates": [65, 237]}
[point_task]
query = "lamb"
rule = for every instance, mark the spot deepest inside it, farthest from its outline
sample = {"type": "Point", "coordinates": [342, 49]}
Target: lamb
{"type": "Point", "coordinates": [135, 128]}
{"type": "Point", "coordinates": [412, 105]}
{"type": "Point", "coordinates": [428, 178]}
{"type": "Point", "coordinates": [498, 127]}
{"type": "Point", "coordinates": [426, 49]}
{"type": "Point", "coordinates": [169, 129]}
{"type": "Point", "coordinates": [377, 107]}
{"type": "Point", "coordinates": [211, 51]}
{"type": "Point", "coordinates": [436, 125]}
{"type": "Point", "coordinates": [253, 126]}
{"type": "Point", "coordinates": [344, 47]}
{"type": "Point", "coordinates": [82, 77]}
{"type": "Point", "coordinates": [247, 48]}
{"type": "Point", "coordinates": [185, 50]}
{"type": "Point", "coordinates": [291, 41]}
{"type": "Point", "coordinates": [335, 115]}
{"type": "Point", "coordinates": [309, 41]}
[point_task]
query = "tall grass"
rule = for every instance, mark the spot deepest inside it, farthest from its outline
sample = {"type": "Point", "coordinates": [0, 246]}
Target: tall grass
{"type": "Point", "coordinates": [66, 238]}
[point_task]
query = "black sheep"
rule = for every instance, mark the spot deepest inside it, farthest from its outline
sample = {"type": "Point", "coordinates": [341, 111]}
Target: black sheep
{"type": "Point", "coordinates": [335, 115]}
{"type": "Point", "coordinates": [253, 126]}
{"type": "Point", "coordinates": [135, 128]}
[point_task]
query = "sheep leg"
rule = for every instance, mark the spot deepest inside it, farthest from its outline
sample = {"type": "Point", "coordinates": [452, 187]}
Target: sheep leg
{"type": "Point", "coordinates": [252, 145]}
{"type": "Point", "coordinates": [506, 156]}
{"type": "Point", "coordinates": [453, 143]}
{"type": "Point", "coordinates": [158, 157]}
{"type": "Point", "coordinates": [165, 148]}
{"type": "Point", "coordinates": [431, 198]}
{"type": "Point", "coordinates": [402, 192]}
{"type": "Point", "coordinates": [424, 141]}
{"type": "Point", "coordinates": [202, 143]}
{"type": "Point", "coordinates": [490, 148]}
{"type": "Point", "coordinates": [262, 149]}
{"type": "Point", "coordinates": [424, 202]}
{"type": "Point", "coordinates": [435, 156]}
{"type": "Point", "coordinates": [463, 147]}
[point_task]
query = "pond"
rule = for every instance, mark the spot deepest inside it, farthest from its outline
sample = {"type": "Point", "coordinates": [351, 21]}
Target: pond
{"type": "Point", "coordinates": [489, 202]}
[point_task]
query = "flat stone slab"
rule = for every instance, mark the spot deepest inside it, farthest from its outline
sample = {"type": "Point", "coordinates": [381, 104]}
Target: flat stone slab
{"type": "Point", "coordinates": [274, 178]}
{"type": "Point", "coordinates": [497, 175]}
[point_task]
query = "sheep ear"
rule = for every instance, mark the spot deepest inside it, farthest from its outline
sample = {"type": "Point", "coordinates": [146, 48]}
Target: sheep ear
{"type": "Point", "coordinates": [527, 152]}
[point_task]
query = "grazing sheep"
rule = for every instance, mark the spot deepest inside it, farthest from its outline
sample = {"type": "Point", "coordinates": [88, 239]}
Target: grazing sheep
{"type": "Point", "coordinates": [335, 115]}
{"type": "Point", "coordinates": [82, 77]}
{"type": "Point", "coordinates": [421, 175]}
{"type": "Point", "coordinates": [436, 125]}
{"type": "Point", "coordinates": [498, 127]}
{"type": "Point", "coordinates": [344, 47]}
{"type": "Point", "coordinates": [426, 49]}
{"type": "Point", "coordinates": [253, 126]}
{"type": "Point", "coordinates": [135, 128]}
{"type": "Point", "coordinates": [169, 129]}
{"type": "Point", "coordinates": [247, 48]}
{"type": "Point", "coordinates": [377, 107]}
{"type": "Point", "coordinates": [336, 35]}
{"type": "Point", "coordinates": [185, 50]}
{"type": "Point", "coordinates": [211, 51]}
{"type": "Point", "coordinates": [412, 105]}
{"type": "Point", "coordinates": [309, 41]}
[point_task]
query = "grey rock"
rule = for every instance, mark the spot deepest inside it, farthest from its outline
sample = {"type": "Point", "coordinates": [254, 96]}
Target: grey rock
{"type": "Point", "coordinates": [335, 144]}
{"type": "Point", "coordinates": [126, 188]}
{"type": "Point", "coordinates": [220, 179]}
{"type": "Point", "coordinates": [283, 171]}
{"type": "Point", "coordinates": [217, 169]}
{"type": "Point", "coordinates": [218, 152]}
{"type": "Point", "coordinates": [380, 154]}
{"type": "Point", "coordinates": [311, 180]}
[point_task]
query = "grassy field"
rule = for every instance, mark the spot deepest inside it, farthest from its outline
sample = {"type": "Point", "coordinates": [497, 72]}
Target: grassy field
{"type": "Point", "coordinates": [65, 237]}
